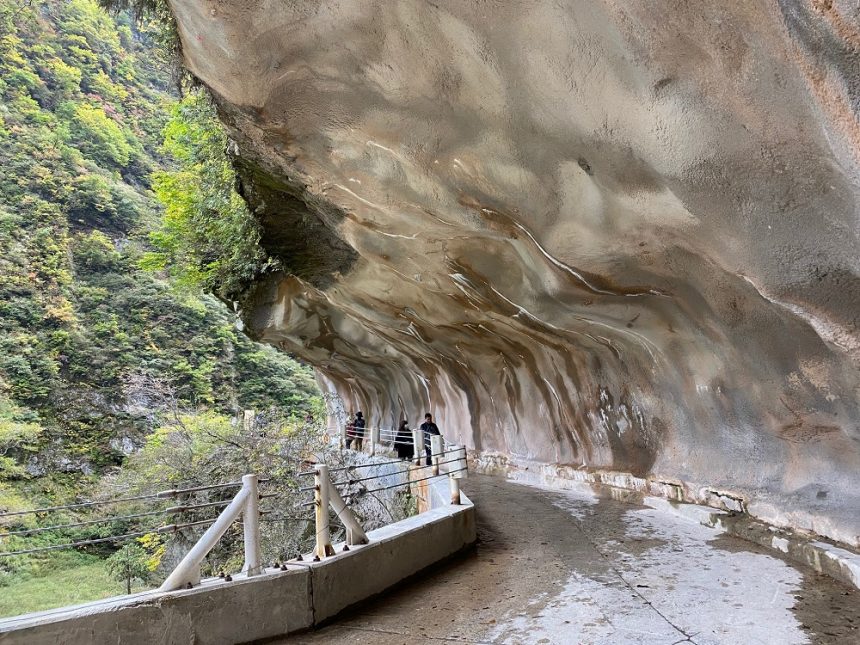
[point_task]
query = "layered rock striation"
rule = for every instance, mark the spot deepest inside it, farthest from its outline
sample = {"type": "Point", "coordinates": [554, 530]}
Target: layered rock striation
{"type": "Point", "coordinates": [608, 235]}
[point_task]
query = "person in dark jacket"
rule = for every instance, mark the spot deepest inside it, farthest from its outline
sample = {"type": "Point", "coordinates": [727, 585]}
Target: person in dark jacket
{"type": "Point", "coordinates": [428, 429]}
{"type": "Point", "coordinates": [358, 430]}
{"type": "Point", "coordinates": [403, 441]}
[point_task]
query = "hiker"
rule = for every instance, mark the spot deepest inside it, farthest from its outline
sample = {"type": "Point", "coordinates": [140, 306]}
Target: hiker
{"type": "Point", "coordinates": [403, 441]}
{"type": "Point", "coordinates": [428, 429]}
{"type": "Point", "coordinates": [358, 429]}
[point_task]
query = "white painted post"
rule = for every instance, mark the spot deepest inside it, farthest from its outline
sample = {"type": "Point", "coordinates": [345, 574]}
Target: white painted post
{"type": "Point", "coordinates": [436, 451]}
{"type": "Point", "coordinates": [418, 442]}
{"type": "Point", "coordinates": [188, 570]}
{"type": "Point", "coordinates": [251, 526]}
{"type": "Point", "coordinates": [457, 458]}
{"type": "Point", "coordinates": [454, 485]}
{"type": "Point", "coordinates": [323, 546]}
{"type": "Point", "coordinates": [341, 442]}
{"type": "Point", "coordinates": [248, 420]}
{"type": "Point", "coordinates": [374, 439]}
{"type": "Point", "coordinates": [354, 532]}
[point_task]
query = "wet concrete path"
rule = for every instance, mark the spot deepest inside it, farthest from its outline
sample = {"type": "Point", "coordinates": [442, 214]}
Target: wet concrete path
{"type": "Point", "coordinates": [569, 567]}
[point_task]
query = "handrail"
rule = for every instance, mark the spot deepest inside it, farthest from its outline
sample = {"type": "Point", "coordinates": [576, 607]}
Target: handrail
{"type": "Point", "coordinates": [245, 503]}
{"type": "Point", "coordinates": [376, 435]}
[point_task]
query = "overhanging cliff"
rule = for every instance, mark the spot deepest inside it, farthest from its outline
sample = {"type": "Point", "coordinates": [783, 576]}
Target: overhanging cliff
{"type": "Point", "coordinates": [617, 235]}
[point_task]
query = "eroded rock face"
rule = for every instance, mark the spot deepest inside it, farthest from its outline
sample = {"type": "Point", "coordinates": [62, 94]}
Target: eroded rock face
{"type": "Point", "coordinates": [619, 235]}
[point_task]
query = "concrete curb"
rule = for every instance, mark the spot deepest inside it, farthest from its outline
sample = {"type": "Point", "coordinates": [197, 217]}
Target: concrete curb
{"type": "Point", "coordinates": [831, 560]}
{"type": "Point", "coordinates": [557, 476]}
{"type": "Point", "coordinates": [724, 512]}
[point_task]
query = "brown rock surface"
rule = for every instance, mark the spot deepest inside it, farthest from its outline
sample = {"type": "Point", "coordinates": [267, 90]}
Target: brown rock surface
{"type": "Point", "coordinates": [622, 235]}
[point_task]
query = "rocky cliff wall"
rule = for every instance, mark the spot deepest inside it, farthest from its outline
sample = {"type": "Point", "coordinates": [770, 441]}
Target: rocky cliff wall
{"type": "Point", "coordinates": [603, 234]}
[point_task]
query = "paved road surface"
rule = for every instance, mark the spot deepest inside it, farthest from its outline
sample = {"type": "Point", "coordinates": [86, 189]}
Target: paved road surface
{"type": "Point", "coordinates": [561, 567]}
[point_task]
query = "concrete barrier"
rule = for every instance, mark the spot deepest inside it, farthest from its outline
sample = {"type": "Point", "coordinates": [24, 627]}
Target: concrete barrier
{"type": "Point", "coordinates": [215, 612]}
{"type": "Point", "coordinates": [274, 603]}
{"type": "Point", "coordinates": [721, 510]}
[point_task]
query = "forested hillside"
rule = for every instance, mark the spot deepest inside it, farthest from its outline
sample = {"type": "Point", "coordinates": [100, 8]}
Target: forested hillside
{"type": "Point", "coordinates": [110, 192]}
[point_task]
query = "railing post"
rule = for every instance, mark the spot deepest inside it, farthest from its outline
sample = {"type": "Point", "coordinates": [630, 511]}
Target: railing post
{"type": "Point", "coordinates": [188, 570]}
{"type": "Point", "coordinates": [354, 533]}
{"type": "Point", "coordinates": [374, 439]}
{"type": "Point", "coordinates": [248, 417]}
{"type": "Point", "coordinates": [341, 442]}
{"type": "Point", "coordinates": [418, 443]}
{"type": "Point", "coordinates": [323, 546]}
{"type": "Point", "coordinates": [459, 453]}
{"type": "Point", "coordinates": [251, 525]}
{"type": "Point", "coordinates": [436, 451]}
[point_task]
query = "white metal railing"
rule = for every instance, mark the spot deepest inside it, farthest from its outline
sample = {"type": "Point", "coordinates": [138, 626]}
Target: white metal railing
{"type": "Point", "coordinates": [247, 504]}
{"type": "Point", "coordinates": [327, 494]}
{"type": "Point", "coordinates": [447, 461]}
{"type": "Point", "coordinates": [349, 436]}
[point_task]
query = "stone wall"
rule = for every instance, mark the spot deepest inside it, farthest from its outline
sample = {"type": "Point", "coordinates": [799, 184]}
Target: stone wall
{"type": "Point", "coordinates": [594, 234]}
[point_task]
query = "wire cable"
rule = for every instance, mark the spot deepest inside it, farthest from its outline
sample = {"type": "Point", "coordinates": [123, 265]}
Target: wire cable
{"type": "Point", "coordinates": [306, 473]}
{"type": "Point", "coordinates": [170, 528]}
{"type": "Point", "coordinates": [364, 479]}
{"type": "Point", "coordinates": [48, 509]}
{"type": "Point", "coordinates": [173, 510]}
{"type": "Point", "coordinates": [414, 481]}
{"type": "Point", "coordinates": [136, 498]}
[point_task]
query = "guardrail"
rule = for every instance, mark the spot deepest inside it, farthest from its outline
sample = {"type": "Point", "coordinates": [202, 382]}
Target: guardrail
{"type": "Point", "coordinates": [348, 436]}
{"type": "Point", "coordinates": [290, 597]}
{"type": "Point", "coordinates": [247, 504]}
{"type": "Point", "coordinates": [327, 492]}
{"type": "Point", "coordinates": [328, 485]}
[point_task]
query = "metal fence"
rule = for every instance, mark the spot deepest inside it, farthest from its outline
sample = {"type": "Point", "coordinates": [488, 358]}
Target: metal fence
{"type": "Point", "coordinates": [331, 485]}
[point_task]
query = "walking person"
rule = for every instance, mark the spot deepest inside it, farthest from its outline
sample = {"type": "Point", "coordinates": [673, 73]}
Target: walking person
{"type": "Point", "coordinates": [358, 429]}
{"type": "Point", "coordinates": [403, 441]}
{"type": "Point", "coordinates": [428, 429]}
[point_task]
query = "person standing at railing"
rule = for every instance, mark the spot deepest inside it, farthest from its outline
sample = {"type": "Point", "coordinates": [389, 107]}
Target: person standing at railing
{"type": "Point", "coordinates": [358, 427]}
{"type": "Point", "coordinates": [403, 441]}
{"type": "Point", "coordinates": [428, 429]}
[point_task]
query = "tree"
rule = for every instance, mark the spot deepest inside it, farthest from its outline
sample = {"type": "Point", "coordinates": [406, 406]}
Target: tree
{"type": "Point", "coordinates": [128, 564]}
{"type": "Point", "coordinates": [207, 237]}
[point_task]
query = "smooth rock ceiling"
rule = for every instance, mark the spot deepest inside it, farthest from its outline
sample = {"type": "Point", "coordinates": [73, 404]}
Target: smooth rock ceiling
{"type": "Point", "coordinates": [614, 233]}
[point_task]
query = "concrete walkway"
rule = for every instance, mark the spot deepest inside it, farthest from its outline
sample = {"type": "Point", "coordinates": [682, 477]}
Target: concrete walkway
{"type": "Point", "coordinates": [560, 567]}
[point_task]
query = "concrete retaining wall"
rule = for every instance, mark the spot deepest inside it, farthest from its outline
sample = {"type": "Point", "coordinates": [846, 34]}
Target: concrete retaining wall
{"type": "Point", "coordinates": [721, 510]}
{"type": "Point", "coordinates": [846, 534]}
{"type": "Point", "coordinates": [272, 604]}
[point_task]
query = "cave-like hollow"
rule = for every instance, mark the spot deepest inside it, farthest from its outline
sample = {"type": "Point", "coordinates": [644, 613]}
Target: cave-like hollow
{"type": "Point", "coordinates": [591, 236]}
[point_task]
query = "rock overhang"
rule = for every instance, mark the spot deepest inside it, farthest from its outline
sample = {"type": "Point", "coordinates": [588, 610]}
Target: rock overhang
{"type": "Point", "coordinates": [609, 235]}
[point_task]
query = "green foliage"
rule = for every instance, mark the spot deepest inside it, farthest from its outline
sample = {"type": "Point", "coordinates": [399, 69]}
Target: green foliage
{"type": "Point", "coordinates": [129, 565]}
{"type": "Point", "coordinates": [109, 371]}
{"type": "Point", "coordinates": [83, 102]}
{"type": "Point", "coordinates": [100, 137]}
{"type": "Point", "coordinates": [68, 581]}
{"type": "Point", "coordinates": [84, 117]}
{"type": "Point", "coordinates": [199, 448]}
{"type": "Point", "coordinates": [19, 433]}
{"type": "Point", "coordinates": [207, 237]}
